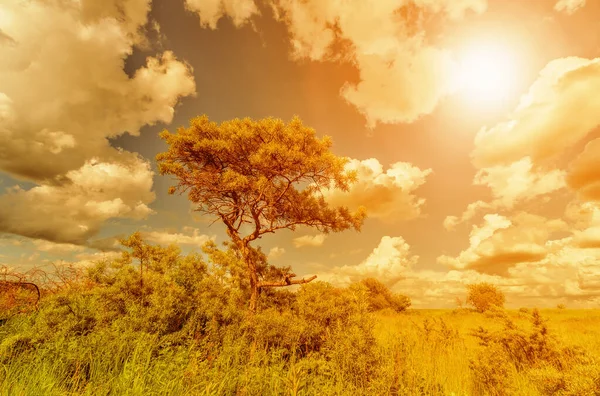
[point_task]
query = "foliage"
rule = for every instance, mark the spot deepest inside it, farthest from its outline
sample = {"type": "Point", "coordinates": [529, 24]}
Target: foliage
{"type": "Point", "coordinates": [263, 174]}
{"type": "Point", "coordinates": [380, 297]}
{"type": "Point", "coordinates": [183, 330]}
{"type": "Point", "coordinates": [515, 349]}
{"type": "Point", "coordinates": [483, 296]}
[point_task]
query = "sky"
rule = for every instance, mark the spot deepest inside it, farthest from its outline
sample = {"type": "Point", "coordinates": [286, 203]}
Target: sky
{"type": "Point", "coordinates": [473, 126]}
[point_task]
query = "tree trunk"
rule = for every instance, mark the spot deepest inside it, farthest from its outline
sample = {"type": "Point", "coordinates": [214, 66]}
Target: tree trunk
{"type": "Point", "coordinates": [254, 283]}
{"type": "Point", "coordinates": [253, 298]}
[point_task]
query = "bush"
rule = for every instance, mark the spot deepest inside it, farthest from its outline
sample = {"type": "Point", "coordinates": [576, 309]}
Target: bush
{"type": "Point", "coordinates": [380, 297]}
{"type": "Point", "coordinates": [484, 296]}
{"type": "Point", "coordinates": [534, 350]}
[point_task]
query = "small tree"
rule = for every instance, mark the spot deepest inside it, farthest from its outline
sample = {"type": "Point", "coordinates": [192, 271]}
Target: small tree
{"type": "Point", "coordinates": [482, 296]}
{"type": "Point", "coordinates": [258, 177]}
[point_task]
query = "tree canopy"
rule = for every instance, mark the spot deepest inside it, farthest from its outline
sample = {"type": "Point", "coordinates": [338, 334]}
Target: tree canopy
{"type": "Point", "coordinates": [482, 296]}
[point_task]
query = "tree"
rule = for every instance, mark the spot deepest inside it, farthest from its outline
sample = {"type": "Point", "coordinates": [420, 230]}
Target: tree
{"type": "Point", "coordinates": [257, 177]}
{"type": "Point", "coordinates": [482, 296]}
{"type": "Point", "coordinates": [380, 296]}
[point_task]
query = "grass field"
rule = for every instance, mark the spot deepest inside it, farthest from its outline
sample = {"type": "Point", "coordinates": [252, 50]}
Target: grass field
{"type": "Point", "coordinates": [426, 352]}
{"type": "Point", "coordinates": [438, 356]}
{"type": "Point", "coordinates": [183, 328]}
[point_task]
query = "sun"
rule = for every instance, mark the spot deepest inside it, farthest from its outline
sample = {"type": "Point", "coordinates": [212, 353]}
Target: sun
{"type": "Point", "coordinates": [485, 73]}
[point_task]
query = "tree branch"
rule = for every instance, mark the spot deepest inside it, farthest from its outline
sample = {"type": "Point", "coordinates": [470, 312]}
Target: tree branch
{"type": "Point", "coordinates": [287, 281]}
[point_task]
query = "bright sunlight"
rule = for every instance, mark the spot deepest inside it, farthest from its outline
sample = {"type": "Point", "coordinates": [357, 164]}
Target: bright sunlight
{"type": "Point", "coordinates": [486, 74]}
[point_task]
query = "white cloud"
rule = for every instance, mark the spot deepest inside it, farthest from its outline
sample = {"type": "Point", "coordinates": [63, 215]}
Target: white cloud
{"type": "Point", "coordinates": [388, 262]}
{"type": "Point", "coordinates": [521, 159]}
{"type": "Point", "coordinates": [309, 240]}
{"type": "Point", "coordinates": [63, 94]}
{"type": "Point", "coordinates": [510, 185]}
{"type": "Point", "coordinates": [193, 237]}
{"type": "Point", "coordinates": [74, 210]}
{"type": "Point", "coordinates": [389, 195]}
{"type": "Point", "coordinates": [56, 248]}
{"type": "Point", "coordinates": [402, 76]}
{"type": "Point", "coordinates": [275, 253]}
{"type": "Point", "coordinates": [569, 6]}
{"type": "Point", "coordinates": [518, 182]}
{"type": "Point", "coordinates": [501, 243]}
{"type": "Point", "coordinates": [543, 126]}
{"type": "Point", "coordinates": [63, 87]}
{"type": "Point", "coordinates": [88, 259]}
{"type": "Point", "coordinates": [584, 172]}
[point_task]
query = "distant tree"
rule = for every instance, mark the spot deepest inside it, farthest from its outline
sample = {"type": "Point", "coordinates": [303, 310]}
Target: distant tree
{"type": "Point", "coordinates": [380, 296]}
{"type": "Point", "coordinates": [483, 296]}
{"type": "Point", "coordinates": [257, 177]}
{"type": "Point", "coordinates": [459, 302]}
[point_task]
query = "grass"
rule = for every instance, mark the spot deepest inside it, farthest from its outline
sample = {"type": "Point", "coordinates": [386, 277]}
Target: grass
{"type": "Point", "coordinates": [418, 352]}
{"type": "Point", "coordinates": [185, 330]}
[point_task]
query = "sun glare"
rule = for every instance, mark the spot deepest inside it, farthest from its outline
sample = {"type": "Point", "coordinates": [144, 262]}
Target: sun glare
{"type": "Point", "coordinates": [485, 74]}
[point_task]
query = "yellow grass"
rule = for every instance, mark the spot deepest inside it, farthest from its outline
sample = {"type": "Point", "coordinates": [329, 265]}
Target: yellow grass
{"type": "Point", "coordinates": [437, 360]}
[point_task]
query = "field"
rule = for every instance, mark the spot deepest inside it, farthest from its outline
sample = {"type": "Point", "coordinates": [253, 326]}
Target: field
{"type": "Point", "coordinates": [182, 327]}
{"type": "Point", "coordinates": [427, 352]}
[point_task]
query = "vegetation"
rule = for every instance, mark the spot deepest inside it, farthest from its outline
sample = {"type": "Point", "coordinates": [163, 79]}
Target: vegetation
{"type": "Point", "coordinates": [265, 174]}
{"type": "Point", "coordinates": [380, 297]}
{"type": "Point", "coordinates": [179, 326]}
{"type": "Point", "coordinates": [484, 296]}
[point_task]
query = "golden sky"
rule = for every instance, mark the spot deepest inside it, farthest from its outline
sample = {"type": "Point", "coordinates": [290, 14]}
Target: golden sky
{"type": "Point", "coordinates": [473, 126]}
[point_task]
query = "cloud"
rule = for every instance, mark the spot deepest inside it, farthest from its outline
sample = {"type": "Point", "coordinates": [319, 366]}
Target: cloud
{"type": "Point", "coordinates": [75, 209]}
{"type": "Point", "coordinates": [401, 76]}
{"type": "Point", "coordinates": [524, 258]}
{"type": "Point", "coordinates": [388, 195]}
{"type": "Point", "coordinates": [57, 111]}
{"type": "Point", "coordinates": [63, 94]}
{"type": "Point", "coordinates": [521, 158]}
{"type": "Point", "coordinates": [584, 172]}
{"type": "Point", "coordinates": [586, 224]}
{"type": "Point", "coordinates": [89, 259]}
{"type": "Point", "coordinates": [388, 262]}
{"type": "Point", "coordinates": [518, 181]}
{"type": "Point", "coordinates": [275, 253]}
{"type": "Point", "coordinates": [56, 248]}
{"type": "Point", "coordinates": [193, 237]}
{"type": "Point", "coordinates": [543, 126]}
{"type": "Point", "coordinates": [569, 6]}
{"type": "Point", "coordinates": [450, 222]}
{"type": "Point", "coordinates": [501, 243]}
{"type": "Point", "coordinates": [510, 185]}
{"type": "Point", "coordinates": [309, 240]}
{"type": "Point", "coordinates": [211, 11]}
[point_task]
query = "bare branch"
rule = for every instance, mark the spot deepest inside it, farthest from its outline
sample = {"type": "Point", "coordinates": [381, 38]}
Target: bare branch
{"type": "Point", "coordinates": [287, 281]}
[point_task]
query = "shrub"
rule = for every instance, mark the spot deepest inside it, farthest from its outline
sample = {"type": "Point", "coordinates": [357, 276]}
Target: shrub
{"type": "Point", "coordinates": [380, 297]}
{"type": "Point", "coordinates": [533, 350]}
{"type": "Point", "coordinates": [561, 306]}
{"type": "Point", "coordinates": [483, 296]}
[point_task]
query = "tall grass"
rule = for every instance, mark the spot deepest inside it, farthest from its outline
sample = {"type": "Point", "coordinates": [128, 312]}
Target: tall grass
{"type": "Point", "coordinates": [428, 353]}
{"type": "Point", "coordinates": [185, 331]}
